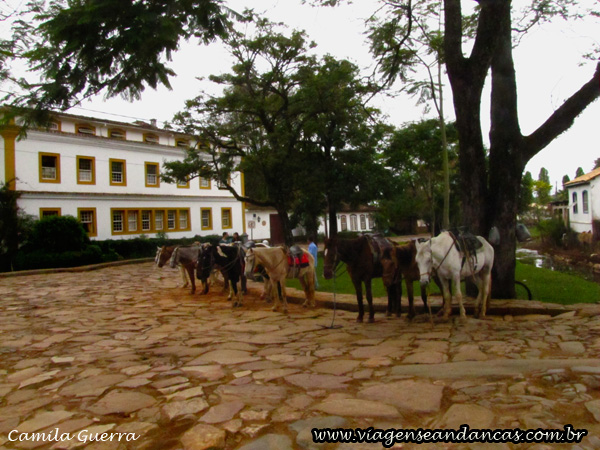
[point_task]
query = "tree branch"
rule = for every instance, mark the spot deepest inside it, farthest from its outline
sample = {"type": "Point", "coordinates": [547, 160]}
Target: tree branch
{"type": "Point", "coordinates": [562, 119]}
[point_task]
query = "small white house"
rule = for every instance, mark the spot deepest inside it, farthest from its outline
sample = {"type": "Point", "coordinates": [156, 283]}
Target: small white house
{"type": "Point", "coordinates": [584, 202]}
{"type": "Point", "coordinates": [107, 174]}
{"type": "Point", "coordinates": [263, 223]}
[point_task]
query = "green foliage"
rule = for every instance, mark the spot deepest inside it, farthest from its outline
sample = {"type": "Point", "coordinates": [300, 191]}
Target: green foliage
{"type": "Point", "coordinates": [9, 220]}
{"type": "Point", "coordinates": [542, 187]}
{"type": "Point", "coordinates": [82, 48]}
{"type": "Point", "coordinates": [414, 156]}
{"type": "Point", "coordinates": [552, 230]}
{"type": "Point", "coordinates": [295, 125]}
{"type": "Point", "coordinates": [58, 234]}
{"type": "Point", "coordinates": [162, 236]}
{"type": "Point", "coordinates": [579, 172]}
{"type": "Point", "coordinates": [44, 259]}
{"type": "Point", "coordinates": [130, 248]}
{"type": "Point", "coordinates": [146, 247]}
{"type": "Point", "coordinates": [556, 287]}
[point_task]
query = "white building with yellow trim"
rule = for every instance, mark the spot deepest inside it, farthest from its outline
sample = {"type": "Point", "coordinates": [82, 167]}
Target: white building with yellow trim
{"type": "Point", "coordinates": [584, 203]}
{"type": "Point", "coordinates": [107, 174]}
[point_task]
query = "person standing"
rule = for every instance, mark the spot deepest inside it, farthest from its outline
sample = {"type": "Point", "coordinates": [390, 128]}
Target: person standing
{"type": "Point", "coordinates": [314, 251]}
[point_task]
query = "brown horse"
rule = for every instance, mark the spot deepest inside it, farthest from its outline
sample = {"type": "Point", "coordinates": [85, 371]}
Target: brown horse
{"type": "Point", "coordinates": [399, 262]}
{"type": "Point", "coordinates": [362, 258]}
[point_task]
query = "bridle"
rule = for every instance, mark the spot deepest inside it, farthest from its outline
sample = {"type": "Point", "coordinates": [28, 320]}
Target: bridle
{"type": "Point", "coordinates": [250, 261]}
{"type": "Point", "coordinates": [431, 268]}
{"type": "Point", "coordinates": [334, 266]}
{"type": "Point", "coordinates": [229, 264]}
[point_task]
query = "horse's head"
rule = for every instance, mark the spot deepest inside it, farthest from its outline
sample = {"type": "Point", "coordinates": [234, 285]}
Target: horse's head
{"type": "Point", "coordinates": [250, 262]}
{"type": "Point", "coordinates": [205, 262]}
{"type": "Point", "coordinates": [330, 258]}
{"type": "Point", "coordinates": [424, 260]}
{"type": "Point", "coordinates": [162, 255]}
{"type": "Point", "coordinates": [157, 256]}
{"type": "Point", "coordinates": [174, 258]}
{"type": "Point", "coordinates": [389, 263]}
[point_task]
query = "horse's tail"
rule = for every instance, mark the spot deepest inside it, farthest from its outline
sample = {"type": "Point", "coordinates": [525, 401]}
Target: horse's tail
{"type": "Point", "coordinates": [309, 282]}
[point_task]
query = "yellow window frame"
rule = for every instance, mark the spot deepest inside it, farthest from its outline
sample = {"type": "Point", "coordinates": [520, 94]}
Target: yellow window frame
{"type": "Point", "coordinates": [53, 155]}
{"type": "Point", "coordinates": [53, 211]}
{"type": "Point", "coordinates": [110, 172]}
{"type": "Point", "coordinates": [223, 211]}
{"type": "Point", "coordinates": [210, 221]}
{"type": "Point", "coordinates": [152, 164]}
{"type": "Point", "coordinates": [125, 212]}
{"type": "Point", "coordinates": [94, 224]}
{"type": "Point", "coordinates": [93, 160]}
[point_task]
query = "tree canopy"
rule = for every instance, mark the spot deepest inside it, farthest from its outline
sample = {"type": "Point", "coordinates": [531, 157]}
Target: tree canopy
{"type": "Point", "coordinates": [414, 159]}
{"type": "Point", "coordinates": [296, 125]}
{"type": "Point", "coordinates": [114, 47]}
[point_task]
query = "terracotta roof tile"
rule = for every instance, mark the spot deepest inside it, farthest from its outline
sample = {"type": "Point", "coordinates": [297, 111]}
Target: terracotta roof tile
{"type": "Point", "coordinates": [585, 177]}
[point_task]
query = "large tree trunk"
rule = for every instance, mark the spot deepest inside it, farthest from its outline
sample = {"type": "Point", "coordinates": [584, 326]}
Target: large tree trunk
{"type": "Point", "coordinates": [333, 229]}
{"type": "Point", "coordinates": [492, 200]}
{"type": "Point", "coordinates": [506, 167]}
{"type": "Point", "coordinates": [285, 225]}
{"type": "Point", "coordinates": [467, 77]}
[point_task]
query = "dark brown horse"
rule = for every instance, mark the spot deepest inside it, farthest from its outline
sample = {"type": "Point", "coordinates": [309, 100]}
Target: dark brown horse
{"type": "Point", "coordinates": [230, 261]}
{"type": "Point", "coordinates": [362, 258]}
{"type": "Point", "coordinates": [399, 262]}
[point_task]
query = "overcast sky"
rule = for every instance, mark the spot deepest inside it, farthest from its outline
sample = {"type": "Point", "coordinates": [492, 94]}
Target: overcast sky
{"type": "Point", "coordinates": [547, 64]}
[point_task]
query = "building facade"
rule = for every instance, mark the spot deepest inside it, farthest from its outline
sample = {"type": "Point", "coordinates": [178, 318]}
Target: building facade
{"type": "Point", "coordinates": [584, 202]}
{"type": "Point", "coordinates": [107, 174]}
{"type": "Point", "coordinates": [262, 223]}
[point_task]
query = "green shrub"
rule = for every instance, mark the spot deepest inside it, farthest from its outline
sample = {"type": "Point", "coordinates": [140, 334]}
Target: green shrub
{"type": "Point", "coordinates": [348, 234]}
{"type": "Point", "coordinates": [552, 231]}
{"type": "Point", "coordinates": [212, 239]}
{"type": "Point", "coordinates": [42, 259]}
{"type": "Point", "coordinates": [46, 250]}
{"type": "Point", "coordinates": [58, 234]}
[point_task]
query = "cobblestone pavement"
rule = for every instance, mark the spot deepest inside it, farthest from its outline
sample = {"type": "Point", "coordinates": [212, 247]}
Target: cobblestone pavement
{"type": "Point", "coordinates": [125, 350]}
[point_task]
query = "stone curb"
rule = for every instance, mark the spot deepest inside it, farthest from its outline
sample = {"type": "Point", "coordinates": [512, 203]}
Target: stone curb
{"type": "Point", "coordinates": [297, 297]}
{"type": "Point", "coordinates": [346, 302]}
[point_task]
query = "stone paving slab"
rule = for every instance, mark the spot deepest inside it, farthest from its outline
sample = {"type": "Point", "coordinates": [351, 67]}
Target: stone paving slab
{"type": "Point", "coordinates": [123, 350]}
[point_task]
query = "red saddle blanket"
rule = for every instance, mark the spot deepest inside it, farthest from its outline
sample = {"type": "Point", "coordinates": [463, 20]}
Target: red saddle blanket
{"type": "Point", "coordinates": [301, 261]}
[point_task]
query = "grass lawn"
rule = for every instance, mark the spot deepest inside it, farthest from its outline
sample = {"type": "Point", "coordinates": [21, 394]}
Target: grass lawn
{"type": "Point", "coordinates": [545, 285]}
{"type": "Point", "coordinates": [556, 287]}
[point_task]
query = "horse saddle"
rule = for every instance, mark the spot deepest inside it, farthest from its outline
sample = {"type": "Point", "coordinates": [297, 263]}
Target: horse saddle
{"type": "Point", "coordinates": [297, 257]}
{"type": "Point", "coordinates": [378, 244]}
{"type": "Point", "coordinates": [249, 244]}
{"type": "Point", "coordinates": [466, 242]}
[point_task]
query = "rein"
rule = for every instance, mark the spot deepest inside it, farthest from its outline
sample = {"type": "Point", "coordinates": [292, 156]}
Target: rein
{"type": "Point", "coordinates": [229, 264]}
{"type": "Point", "coordinates": [262, 261]}
{"type": "Point", "coordinates": [441, 262]}
{"type": "Point", "coordinates": [454, 242]}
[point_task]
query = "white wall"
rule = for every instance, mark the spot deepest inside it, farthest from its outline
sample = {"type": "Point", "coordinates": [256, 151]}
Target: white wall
{"type": "Point", "coordinates": [68, 195]}
{"type": "Point", "coordinates": [582, 221]}
{"type": "Point", "coordinates": [262, 228]}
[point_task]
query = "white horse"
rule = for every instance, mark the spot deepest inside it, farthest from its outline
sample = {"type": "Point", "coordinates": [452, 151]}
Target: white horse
{"type": "Point", "coordinates": [275, 262]}
{"type": "Point", "coordinates": [441, 255]}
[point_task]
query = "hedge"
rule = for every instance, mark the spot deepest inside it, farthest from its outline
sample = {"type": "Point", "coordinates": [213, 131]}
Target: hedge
{"type": "Point", "coordinates": [100, 251]}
